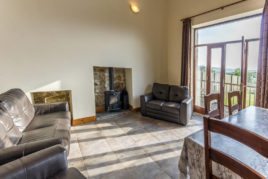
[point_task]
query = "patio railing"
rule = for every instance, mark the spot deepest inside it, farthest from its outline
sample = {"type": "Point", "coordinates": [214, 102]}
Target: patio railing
{"type": "Point", "coordinates": [232, 83]}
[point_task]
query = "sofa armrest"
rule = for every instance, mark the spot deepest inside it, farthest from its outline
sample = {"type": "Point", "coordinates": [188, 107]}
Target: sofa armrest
{"type": "Point", "coordinates": [43, 164]}
{"type": "Point", "coordinates": [143, 100]}
{"type": "Point", "coordinates": [148, 97]}
{"type": "Point", "coordinates": [186, 111]}
{"type": "Point", "coordinates": [15, 152]}
{"type": "Point", "coordinates": [41, 109]}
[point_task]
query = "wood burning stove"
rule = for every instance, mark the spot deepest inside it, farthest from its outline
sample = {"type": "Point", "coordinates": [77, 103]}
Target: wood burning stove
{"type": "Point", "coordinates": [113, 100]}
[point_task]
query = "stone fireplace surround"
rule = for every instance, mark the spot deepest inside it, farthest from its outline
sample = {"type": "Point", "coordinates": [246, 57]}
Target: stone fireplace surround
{"type": "Point", "coordinates": [121, 80]}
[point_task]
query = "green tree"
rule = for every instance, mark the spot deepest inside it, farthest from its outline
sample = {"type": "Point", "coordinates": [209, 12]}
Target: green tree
{"type": "Point", "coordinates": [237, 72]}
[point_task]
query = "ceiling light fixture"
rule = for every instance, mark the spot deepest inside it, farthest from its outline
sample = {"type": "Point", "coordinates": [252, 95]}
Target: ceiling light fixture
{"type": "Point", "coordinates": [134, 7]}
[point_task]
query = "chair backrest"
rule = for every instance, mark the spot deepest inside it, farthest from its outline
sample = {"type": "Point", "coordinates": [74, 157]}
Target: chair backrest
{"type": "Point", "coordinates": [215, 113]}
{"type": "Point", "coordinates": [243, 136]}
{"type": "Point", "coordinates": [238, 105]}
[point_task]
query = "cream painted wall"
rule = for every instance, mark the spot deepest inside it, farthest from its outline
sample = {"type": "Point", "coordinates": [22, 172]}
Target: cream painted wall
{"type": "Point", "coordinates": [53, 45]}
{"type": "Point", "coordinates": [179, 9]}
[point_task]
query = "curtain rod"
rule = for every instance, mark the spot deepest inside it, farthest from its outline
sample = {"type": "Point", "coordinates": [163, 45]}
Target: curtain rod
{"type": "Point", "coordinates": [216, 9]}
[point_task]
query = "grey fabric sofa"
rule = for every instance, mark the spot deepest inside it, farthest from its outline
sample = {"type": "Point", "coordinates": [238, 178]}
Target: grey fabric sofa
{"type": "Point", "coordinates": [42, 164]}
{"type": "Point", "coordinates": [167, 102]}
{"type": "Point", "coordinates": [22, 123]}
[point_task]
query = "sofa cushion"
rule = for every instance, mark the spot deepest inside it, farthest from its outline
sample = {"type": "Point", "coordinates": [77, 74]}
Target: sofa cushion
{"type": "Point", "coordinates": [56, 131]}
{"type": "Point", "coordinates": [160, 91]}
{"type": "Point", "coordinates": [63, 118]}
{"type": "Point", "coordinates": [155, 104]}
{"type": "Point", "coordinates": [18, 106]}
{"type": "Point", "coordinates": [11, 130]}
{"type": "Point", "coordinates": [178, 93]}
{"type": "Point", "coordinates": [171, 107]}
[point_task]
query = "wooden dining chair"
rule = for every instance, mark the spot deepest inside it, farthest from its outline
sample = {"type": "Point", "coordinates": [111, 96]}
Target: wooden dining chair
{"type": "Point", "coordinates": [243, 136]}
{"type": "Point", "coordinates": [234, 107]}
{"type": "Point", "coordinates": [215, 113]}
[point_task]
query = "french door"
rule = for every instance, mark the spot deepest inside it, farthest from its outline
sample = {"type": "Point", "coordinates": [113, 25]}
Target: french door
{"type": "Point", "coordinates": [225, 67]}
{"type": "Point", "coordinates": [218, 70]}
{"type": "Point", "coordinates": [210, 73]}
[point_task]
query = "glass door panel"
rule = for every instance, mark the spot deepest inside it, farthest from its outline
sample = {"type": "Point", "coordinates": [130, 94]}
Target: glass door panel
{"type": "Point", "coordinates": [252, 65]}
{"type": "Point", "coordinates": [201, 75]}
{"type": "Point", "coordinates": [216, 60]}
{"type": "Point", "coordinates": [215, 76]}
{"type": "Point", "coordinates": [233, 64]}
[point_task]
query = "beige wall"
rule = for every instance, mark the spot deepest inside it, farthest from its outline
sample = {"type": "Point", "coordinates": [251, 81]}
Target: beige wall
{"type": "Point", "coordinates": [53, 45]}
{"type": "Point", "coordinates": [178, 9]}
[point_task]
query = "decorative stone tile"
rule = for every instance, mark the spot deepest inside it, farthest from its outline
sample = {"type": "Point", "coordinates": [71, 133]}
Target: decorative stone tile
{"type": "Point", "coordinates": [94, 147]}
{"type": "Point", "coordinates": [131, 146]}
{"type": "Point", "coordinates": [169, 164]}
{"type": "Point", "coordinates": [74, 151]}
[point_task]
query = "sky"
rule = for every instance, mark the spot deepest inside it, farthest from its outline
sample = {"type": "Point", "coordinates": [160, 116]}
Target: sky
{"type": "Point", "coordinates": [249, 28]}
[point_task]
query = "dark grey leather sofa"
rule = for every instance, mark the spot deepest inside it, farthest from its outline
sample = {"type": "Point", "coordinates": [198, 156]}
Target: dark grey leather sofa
{"type": "Point", "coordinates": [43, 164]}
{"type": "Point", "coordinates": [27, 124]}
{"type": "Point", "coordinates": [167, 102]}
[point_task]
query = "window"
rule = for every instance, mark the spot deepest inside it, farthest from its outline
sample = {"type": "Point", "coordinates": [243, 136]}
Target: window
{"type": "Point", "coordinates": [225, 59]}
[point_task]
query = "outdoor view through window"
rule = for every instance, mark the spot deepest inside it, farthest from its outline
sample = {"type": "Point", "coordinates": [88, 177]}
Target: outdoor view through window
{"type": "Point", "coordinates": [226, 58]}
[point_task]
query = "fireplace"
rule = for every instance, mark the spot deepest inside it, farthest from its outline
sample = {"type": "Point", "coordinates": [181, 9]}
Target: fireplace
{"type": "Point", "coordinates": [110, 89]}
